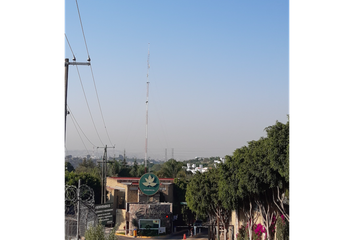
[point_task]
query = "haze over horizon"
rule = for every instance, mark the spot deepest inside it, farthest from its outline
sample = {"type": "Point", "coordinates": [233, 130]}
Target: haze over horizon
{"type": "Point", "coordinates": [219, 75]}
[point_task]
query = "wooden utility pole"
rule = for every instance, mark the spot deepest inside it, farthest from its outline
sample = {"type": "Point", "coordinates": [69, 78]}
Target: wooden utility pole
{"type": "Point", "coordinates": [65, 75]}
{"type": "Point", "coordinates": [104, 174]}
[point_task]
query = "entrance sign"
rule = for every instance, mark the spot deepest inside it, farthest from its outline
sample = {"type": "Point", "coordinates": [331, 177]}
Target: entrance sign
{"type": "Point", "coordinates": [149, 184]}
{"type": "Point", "coordinates": [149, 223]}
{"type": "Point", "coordinates": [104, 213]}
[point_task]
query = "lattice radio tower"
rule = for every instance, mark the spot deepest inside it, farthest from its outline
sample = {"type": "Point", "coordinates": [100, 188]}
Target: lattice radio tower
{"type": "Point", "coordinates": [147, 104]}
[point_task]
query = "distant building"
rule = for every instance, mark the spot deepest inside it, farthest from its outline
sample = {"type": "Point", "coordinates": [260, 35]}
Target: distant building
{"type": "Point", "coordinates": [195, 169]}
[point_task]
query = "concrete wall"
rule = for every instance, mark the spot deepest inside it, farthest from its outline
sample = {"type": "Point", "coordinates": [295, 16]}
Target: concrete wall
{"type": "Point", "coordinates": [120, 219]}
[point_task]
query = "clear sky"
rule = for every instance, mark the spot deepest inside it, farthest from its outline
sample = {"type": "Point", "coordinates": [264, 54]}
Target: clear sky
{"type": "Point", "coordinates": [219, 74]}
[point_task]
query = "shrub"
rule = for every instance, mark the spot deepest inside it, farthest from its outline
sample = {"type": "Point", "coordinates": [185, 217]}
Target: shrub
{"type": "Point", "coordinates": [282, 227]}
{"type": "Point", "coordinates": [241, 235]}
{"type": "Point", "coordinates": [97, 233]}
{"type": "Point", "coordinates": [258, 231]}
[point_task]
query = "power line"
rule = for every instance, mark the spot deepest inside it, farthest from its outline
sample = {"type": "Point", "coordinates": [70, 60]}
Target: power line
{"type": "Point", "coordinates": [82, 29]}
{"type": "Point", "coordinates": [73, 118]}
{"type": "Point", "coordinates": [82, 86]}
{"type": "Point", "coordinates": [74, 58]}
{"type": "Point", "coordinates": [89, 59]}
{"type": "Point", "coordinates": [99, 105]}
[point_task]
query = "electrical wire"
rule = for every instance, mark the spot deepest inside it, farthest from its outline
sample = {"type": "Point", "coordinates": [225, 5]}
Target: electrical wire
{"type": "Point", "coordinates": [82, 29]}
{"type": "Point", "coordinates": [74, 58]}
{"type": "Point", "coordinates": [82, 86]}
{"type": "Point", "coordinates": [74, 120]}
{"type": "Point", "coordinates": [99, 104]}
{"type": "Point", "coordinates": [73, 117]}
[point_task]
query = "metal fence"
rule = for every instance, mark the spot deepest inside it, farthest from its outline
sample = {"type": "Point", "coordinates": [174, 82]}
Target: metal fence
{"type": "Point", "coordinates": [79, 207]}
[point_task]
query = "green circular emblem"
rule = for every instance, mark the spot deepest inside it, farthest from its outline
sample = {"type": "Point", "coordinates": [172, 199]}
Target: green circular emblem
{"type": "Point", "coordinates": [149, 184]}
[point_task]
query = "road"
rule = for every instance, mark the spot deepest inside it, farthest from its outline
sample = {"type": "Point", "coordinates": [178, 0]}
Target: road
{"type": "Point", "coordinates": [178, 235]}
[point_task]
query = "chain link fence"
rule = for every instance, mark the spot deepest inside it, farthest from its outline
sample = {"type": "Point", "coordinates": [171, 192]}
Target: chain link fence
{"type": "Point", "coordinates": [79, 202]}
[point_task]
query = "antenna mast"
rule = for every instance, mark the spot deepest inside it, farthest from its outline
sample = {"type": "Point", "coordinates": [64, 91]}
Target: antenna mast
{"type": "Point", "coordinates": [147, 104]}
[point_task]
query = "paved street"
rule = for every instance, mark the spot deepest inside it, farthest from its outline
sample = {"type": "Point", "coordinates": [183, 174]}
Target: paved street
{"type": "Point", "coordinates": [178, 235]}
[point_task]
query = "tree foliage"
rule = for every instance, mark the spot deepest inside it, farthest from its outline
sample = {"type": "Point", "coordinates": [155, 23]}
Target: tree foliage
{"type": "Point", "coordinates": [72, 178]}
{"type": "Point", "coordinates": [98, 233]}
{"type": "Point", "coordinates": [171, 169]}
{"type": "Point", "coordinates": [69, 167]}
{"type": "Point", "coordinates": [203, 197]}
{"type": "Point", "coordinates": [255, 176]}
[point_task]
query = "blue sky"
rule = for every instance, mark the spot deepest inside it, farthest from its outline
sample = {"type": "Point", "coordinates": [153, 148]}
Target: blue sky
{"type": "Point", "coordinates": [219, 74]}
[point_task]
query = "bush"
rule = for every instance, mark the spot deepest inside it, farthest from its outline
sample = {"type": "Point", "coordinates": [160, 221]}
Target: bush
{"type": "Point", "coordinates": [241, 235]}
{"type": "Point", "coordinates": [97, 233]}
{"type": "Point", "coordinates": [282, 227]}
{"type": "Point", "coordinates": [257, 232]}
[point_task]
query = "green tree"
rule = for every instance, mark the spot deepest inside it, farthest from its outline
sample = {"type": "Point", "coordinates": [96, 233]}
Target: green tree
{"type": "Point", "coordinates": [171, 169]}
{"type": "Point", "coordinates": [69, 167]}
{"type": "Point", "coordinates": [156, 167]}
{"type": "Point", "coordinates": [179, 192]}
{"type": "Point", "coordinates": [141, 170]}
{"type": "Point", "coordinates": [202, 197]}
{"type": "Point", "coordinates": [256, 175]}
{"type": "Point", "coordinates": [72, 178]}
{"type": "Point", "coordinates": [196, 196]}
{"type": "Point", "coordinates": [278, 157]}
{"type": "Point", "coordinates": [113, 169]}
{"type": "Point", "coordinates": [124, 169]}
{"type": "Point", "coordinates": [134, 170]}
{"type": "Point", "coordinates": [86, 166]}
{"type": "Point", "coordinates": [278, 145]}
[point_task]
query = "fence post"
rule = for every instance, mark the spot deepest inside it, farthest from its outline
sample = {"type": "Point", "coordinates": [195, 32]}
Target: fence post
{"type": "Point", "coordinates": [78, 210]}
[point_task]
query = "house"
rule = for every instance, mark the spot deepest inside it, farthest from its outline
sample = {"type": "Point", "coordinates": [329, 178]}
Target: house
{"type": "Point", "coordinates": [195, 169]}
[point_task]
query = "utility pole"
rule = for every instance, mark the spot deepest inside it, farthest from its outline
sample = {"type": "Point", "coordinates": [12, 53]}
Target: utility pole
{"type": "Point", "coordinates": [67, 63]}
{"type": "Point", "coordinates": [104, 173]}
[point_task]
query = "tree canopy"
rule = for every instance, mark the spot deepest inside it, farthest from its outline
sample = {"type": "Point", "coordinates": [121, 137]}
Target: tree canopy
{"type": "Point", "coordinates": [72, 178]}
{"type": "Point", "coordinates": [256, 175]}
{"type": "Point", "coordinates": [171, 169]}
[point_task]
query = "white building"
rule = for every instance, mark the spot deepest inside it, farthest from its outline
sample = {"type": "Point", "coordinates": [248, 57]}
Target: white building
{"type": "Point", "coordinates": [195, 169]}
